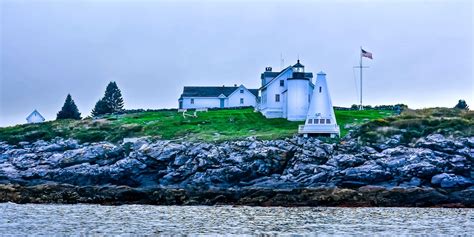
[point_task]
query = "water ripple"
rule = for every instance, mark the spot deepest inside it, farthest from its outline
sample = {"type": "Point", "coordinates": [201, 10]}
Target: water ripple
{"type": "Point", "coordinates": [34, 219]}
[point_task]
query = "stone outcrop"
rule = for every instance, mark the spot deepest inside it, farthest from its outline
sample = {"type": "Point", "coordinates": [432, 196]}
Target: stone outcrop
{"type": "Point", "coordinates": [434, 171]}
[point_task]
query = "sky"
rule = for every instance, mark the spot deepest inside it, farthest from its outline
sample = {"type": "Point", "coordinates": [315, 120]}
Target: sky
{"type": "Point", "coordinates": [423, 50]}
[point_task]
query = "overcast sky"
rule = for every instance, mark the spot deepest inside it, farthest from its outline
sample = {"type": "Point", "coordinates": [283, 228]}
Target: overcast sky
{"type": "Point", "coordinates": [423, 50]}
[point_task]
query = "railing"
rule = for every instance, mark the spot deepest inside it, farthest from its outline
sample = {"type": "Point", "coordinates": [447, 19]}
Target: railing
{"type": "Point", "coordinates": [331, 128]}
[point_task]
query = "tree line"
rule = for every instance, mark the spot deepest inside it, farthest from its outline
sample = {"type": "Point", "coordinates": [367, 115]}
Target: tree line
{"type": "Point", "coordinates": [111, 102]}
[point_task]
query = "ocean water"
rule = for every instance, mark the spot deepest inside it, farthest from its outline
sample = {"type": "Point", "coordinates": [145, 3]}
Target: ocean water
{"type": "Point", "coordinates": [79, 219]}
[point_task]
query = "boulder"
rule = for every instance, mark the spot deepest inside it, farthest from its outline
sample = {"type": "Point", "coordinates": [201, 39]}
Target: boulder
{"type": "Point", "coordinates": [438, 142]}
{"type": "Point", "coordinates": [343, 161]}
{"type": "Point", "coordinates": [370, 173]}
{"type": "Point", "coordinates": [101, 153]}
{"type": "Point", "coordinates": [421, 169]}
{"type": "Point", "coordinates": [445, 180]}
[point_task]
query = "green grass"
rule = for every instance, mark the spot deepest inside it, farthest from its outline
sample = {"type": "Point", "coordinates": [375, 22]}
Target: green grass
{"type": "Point", "coordinates": [214, 125]}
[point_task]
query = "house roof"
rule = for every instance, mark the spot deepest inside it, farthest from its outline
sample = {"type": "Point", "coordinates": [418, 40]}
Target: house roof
{"type": "Point", "coordinates": [212, 91]}
{"type": "Point", "coordinates": [306, 75]}
{"type": "Point", "coordinates": [269, 74]}
{"type": "Point", "coordinates": [254, 92]}
{"type": "Point", "coordinates": [35, 112]}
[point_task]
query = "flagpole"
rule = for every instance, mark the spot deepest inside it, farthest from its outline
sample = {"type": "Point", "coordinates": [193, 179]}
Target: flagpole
{"type": "Point", "coordinates": [360, 108]}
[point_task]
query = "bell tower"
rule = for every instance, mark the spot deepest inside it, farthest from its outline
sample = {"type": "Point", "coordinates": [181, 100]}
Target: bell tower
{"type": "Point", "coordinates": [320, 119]}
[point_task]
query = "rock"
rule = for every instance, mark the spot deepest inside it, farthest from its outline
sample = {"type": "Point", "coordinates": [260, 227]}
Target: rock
{"type": "Point", "coordinates": [414, 182]}
{"type": "Point", "coordinates": [422, 169]}
{"type": "Point", "coordinates": [160, 152]}
{"type": "Point", "coordinates": [136, 142]}
{"type": "Point", "coordinates": [371, 173]}
{"type": "Point", "coordinates": [345, 160]}
{"type": "Point", "coordinates": [181, 160]}
{"type": "Point", "coordinates": [467, 152]}
{"type": "Point", "coordinates": [40, 143]}
{"type": "Point", "coordinates": [470, 142]}
{"type": "Point", "coordinates": [445, 180]}
{"type": "Point", "coordinates": [25, 161]}
{"type": "Point", "coordinates": [24, 144]}
{"type": "Point", "coordinates": [438, 142]}
{"type": "Point", "coordinates": [51, 148]}
{"type": "Point", "coordinates": [96, 153]}
{"type": "Point", "coordinates": [436, 170]}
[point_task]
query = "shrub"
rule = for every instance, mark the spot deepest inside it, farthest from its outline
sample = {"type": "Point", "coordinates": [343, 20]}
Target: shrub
{"type": "Point", "coordinates": [461, 105]}
{"type": "Point", "coordinates": [91, 136]}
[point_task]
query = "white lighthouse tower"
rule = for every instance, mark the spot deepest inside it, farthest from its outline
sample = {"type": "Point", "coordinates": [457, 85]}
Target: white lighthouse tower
{"type": "Point", "coordinates": [320, 119]}
{"type": "Point", "coordinates": [297, 94]}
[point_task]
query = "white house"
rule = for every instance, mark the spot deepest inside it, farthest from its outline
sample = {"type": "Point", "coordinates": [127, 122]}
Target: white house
{"type": "Point", "coordinates": [35, 117]}
{"type": "Point", "coordinates": [194, 97]}
{"type": "Point", "coordinates": [286, 94]}
{"type": "Point", "coordinates": [320, 119]}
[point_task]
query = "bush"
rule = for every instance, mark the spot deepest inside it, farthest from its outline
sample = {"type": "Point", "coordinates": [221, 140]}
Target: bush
{"type": "Point", "coordinates": [461, 105]}
{"type": "Point", "coordinates": [91, 136]}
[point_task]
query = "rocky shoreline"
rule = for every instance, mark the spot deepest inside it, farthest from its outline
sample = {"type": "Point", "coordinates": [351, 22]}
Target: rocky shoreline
{"type": "Point", "coordinates": [433, 171]}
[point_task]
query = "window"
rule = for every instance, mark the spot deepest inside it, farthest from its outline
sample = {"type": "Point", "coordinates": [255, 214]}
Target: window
{"type": "Point", "coordinates": [328, 121]}
{"type": "Point", "coordinates": [316, 121]}
{"type": "Point", "coordinates": [282, 83]}
{"type": "Point", "coordinates": [310, 121]}
{"type": "Point", "coordinates": [241, 101]}
{"type": "Point", "coordinates": [320, 89]}
{"type": "Point", "coordinates": [241, 91]}
{"type": "Point", "coordinates": [321, 121]}
{"type": "Point", "coordinates": [277, 98]}
{"type": "Point", "coordinates": [192, 101]}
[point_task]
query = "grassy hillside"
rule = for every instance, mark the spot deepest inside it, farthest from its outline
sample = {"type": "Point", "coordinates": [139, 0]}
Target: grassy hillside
{"type": "Point", "coordinates": [214, 125]}
{"type": "Point", "coordinates": [413, 124]}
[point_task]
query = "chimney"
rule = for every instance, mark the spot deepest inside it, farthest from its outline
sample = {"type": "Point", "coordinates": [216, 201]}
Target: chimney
{"type": "Point", "coordinates": [268, 69]}
{"type": "Point", "coordinates": [235, 85]}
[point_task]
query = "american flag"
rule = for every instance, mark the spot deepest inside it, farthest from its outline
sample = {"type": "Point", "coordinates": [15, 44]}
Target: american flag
{"type": "Point", "coordinates": [366, 54]}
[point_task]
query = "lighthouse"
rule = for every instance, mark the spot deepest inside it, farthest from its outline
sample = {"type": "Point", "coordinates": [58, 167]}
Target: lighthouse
{"type": "Point", "coordinates": [320, 119]}
{"type": "Point", "coordinates": [297, 94]}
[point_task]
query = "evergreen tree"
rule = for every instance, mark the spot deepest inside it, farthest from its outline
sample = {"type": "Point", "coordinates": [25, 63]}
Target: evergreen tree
{"type": "Point", "coordinates": [113, 98]}
{"type": "Point", "coordinates": [461, 105]}
{"type": "Point", "coordinates": [100, 108]}
{"type": "Point", "coordinates": [111, 102]}
{"type": "Point", "coordinates": [69, 110]}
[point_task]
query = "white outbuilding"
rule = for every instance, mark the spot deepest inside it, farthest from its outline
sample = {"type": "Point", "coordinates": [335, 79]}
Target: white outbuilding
{"type": "Point", "coordinates": [35, 117]}
{"type": "Point", "coordinates": [196, 97]}
{"type": "Point", "coordinates": [320, 119]}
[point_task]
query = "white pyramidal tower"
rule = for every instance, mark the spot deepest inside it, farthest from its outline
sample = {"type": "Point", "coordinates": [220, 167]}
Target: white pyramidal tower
{"type": "Point", "coordinates": [320, 119]}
